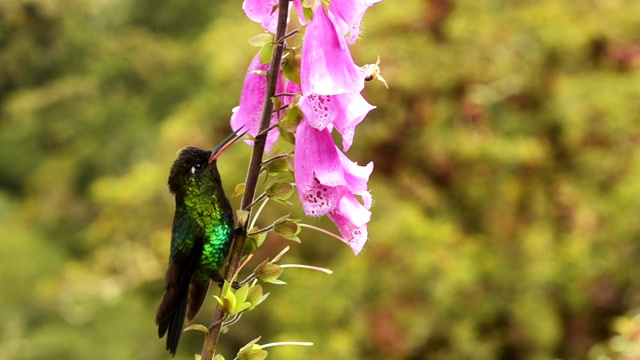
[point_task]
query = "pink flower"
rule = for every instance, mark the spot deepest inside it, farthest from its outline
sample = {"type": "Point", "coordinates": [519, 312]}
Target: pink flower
{"type": "Point", "coordinates": [351, 218]}
{"type": "Point", "coordinates": [357, 177]}
{"type": "Point", "coordinates": [327, 182]}
{"type": "Point", "coordinates": [344, 111]}
{"type": "Point", "coordinates": [264, 12]}
{"type": "Point", "coordinates": [318, 173]}
{"type": "Point", "coordinates": [327, 67]}
{"type": "Point", "coordinates": [248, 113]}
{"type": "Point", "coordinates": [348, 15]}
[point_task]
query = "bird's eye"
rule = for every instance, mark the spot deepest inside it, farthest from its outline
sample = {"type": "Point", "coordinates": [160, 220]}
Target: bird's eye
{"type": "Point", "coordinates": [197, 167]}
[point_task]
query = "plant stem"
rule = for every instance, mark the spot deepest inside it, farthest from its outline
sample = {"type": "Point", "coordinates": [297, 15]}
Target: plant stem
{"type": "Point", "coordinates": [235, 254]}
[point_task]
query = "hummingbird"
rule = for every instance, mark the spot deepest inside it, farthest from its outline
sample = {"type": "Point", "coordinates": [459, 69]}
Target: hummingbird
{"type": "Point", "coordinates": [201, 235]}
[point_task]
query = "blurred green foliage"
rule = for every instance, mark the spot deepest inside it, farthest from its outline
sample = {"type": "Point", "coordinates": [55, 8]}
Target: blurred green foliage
{"type": "Point", "coordinates": [506, 187]}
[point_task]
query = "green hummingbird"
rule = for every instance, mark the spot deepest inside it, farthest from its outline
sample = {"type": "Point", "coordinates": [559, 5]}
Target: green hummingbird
{"type": "Point", "coordinates": [201, 235]}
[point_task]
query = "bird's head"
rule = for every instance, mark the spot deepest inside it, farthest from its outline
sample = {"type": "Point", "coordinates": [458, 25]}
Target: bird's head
{"type": "Point", "coordinates": [193, 164]}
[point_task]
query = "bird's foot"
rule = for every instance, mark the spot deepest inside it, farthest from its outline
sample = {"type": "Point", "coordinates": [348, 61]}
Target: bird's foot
{"type": "Point", "coordinates": [219, 279]}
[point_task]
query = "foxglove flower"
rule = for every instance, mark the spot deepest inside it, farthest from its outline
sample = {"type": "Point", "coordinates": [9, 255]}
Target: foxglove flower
{"type": "Point", "coordinates": [351, 218]}
{"type": "Point", "coordinates": [348, 15]}
{"type": "Point", "coordinates": [264, 12]}
{"type": "Point", "coordinates": [249, 112]}
{"type": "Point", "coordinates": [344, 111]}
{"type": "Point", "coordinates": [318, 173]}
{"type": "Point", "coordinates": [327, 182]}
{"type": "Point", "coordinates": [327, 67]}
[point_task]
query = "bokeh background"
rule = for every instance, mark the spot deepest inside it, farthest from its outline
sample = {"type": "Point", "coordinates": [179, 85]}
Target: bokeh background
{"type": "Point", "coordinates": [506, 183]}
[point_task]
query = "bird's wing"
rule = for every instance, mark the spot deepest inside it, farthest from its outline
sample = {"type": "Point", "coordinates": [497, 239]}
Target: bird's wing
{"type": "Point", "coordinates": [186, 250]}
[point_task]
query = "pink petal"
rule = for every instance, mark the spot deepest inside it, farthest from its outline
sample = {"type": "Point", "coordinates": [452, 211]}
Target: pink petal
{"type": "Point", "coordinates": [351, 218]}
{"type": "Point", "coordinates": [319, 110]}
{"type": "Point", "coordinates": [297, 4]}
{"type": "Point", "coordinates": [345, 111]}
{"type": "Point", "coordinates": [318, 172]}
{"type": "Point", "coordinates": [327, 67]}
{"type": "Point", "coordinates": [249, 111]}
{"type": "Point", "coordinates": [349, 16]}
{"type": "Point", "coordinates": [264, 12]}
{"type": "Point", "coordinates": [353, 110]}
{"type": "Point", "coordinates": [356, 176]}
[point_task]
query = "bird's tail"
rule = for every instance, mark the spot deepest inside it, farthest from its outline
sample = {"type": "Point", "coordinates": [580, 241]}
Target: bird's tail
{"type": "Point", "coordinates": [173, 307]}
{"type": "Point", "coordinates": [170, 319]}
{"type": "Point", "coordinates": [197, 294]}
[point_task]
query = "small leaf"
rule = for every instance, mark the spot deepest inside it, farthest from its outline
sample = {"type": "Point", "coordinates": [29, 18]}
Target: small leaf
{"type": "Point", "coordinates": [256, 236]}
{"type": "Point", "coordinates": [277, 104]}
{"type": "Point", "coordinates": [288, 229]}
{"type": "Point", "coordinates": [253, 354]}
{"type": "Point", "coordinates": [255, 296]}
{"type": "Point", "coordinates": [243, 218]}
{"type": "Point", "coordinates": [292, 119]}
{"type": "Point", "coordinates": [197, 327]}
{"type": "Point", "coordinates": [268, 272]}
{"type": "Point", "coordinates": [266, 52]}
{"type": "Point", "coordinates": [217, 357]}
{"type": "Point", "coordinates": [241, 308]}
{"type": "Point", "coordinates": [261, 40]}
{"type": "Point", "coordinates": [252, 351]}
{"type": "Point", "coordinates": [228, 305]}
{"type": "Point", "coordinates": [289, 123]}
{"type": "Point", "coordinates": [249, 344]}
{"type": "Point", "coordinates": [279, 191]}
{"type": "Point", "coordinates": [287, 136]}
{"type": "Point", "coordinates": [291, 65]}
{"type": "Point", "coordinates": [308, 12]}
{"type": "Point", "coordinates": [239, 190]}
{"type": "Point", "coordinates": [278, 165]}
{"type": "Point", "coordinates": [290, 162]}
{"type": "Point", "coordinates": [241, 294]}
{"type": "Point", "coordinates": [250, 246]}
{"type": "Point", "coordinates": [226, 288]}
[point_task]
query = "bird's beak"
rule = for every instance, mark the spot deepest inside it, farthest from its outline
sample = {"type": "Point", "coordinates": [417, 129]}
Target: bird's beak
{"type": "Point", "coordinates": [226, 143]}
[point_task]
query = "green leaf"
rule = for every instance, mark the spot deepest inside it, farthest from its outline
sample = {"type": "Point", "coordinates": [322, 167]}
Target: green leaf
{"type": "Point", "coordinates": [252, 351]}
{"type": "Point", "coordinates": [277, 165]}
{"type": "Point", "coordinates": [289, 123]}
{"type": "Point", "coordinates": [239, 190]}
{"type": "Point", "coordinates": [217, 357]}
{"type": "Point", "coordinates": [261, 40]}
{"type": "Point", "coordinates": [266, 52]}
{"type": "Point", "coordinates": [268, 272]}
{"type": "Point", "coordinates": [288, 229]}
{"type": "Point", "coordinates": [255, 240]}
{"type": "Point", "coordinates": [277, 104]}
{"type": "Point", "coordinates": [308, 13]}
{"type": "Point", "coordinates": [197, 327]}
{"type": "Point", "coordinates": [241, 294]}
{"type": "Point", "coordinates": [253, 354]}
{"type": "Point", "coordinates": [255, 296]}
{"type": "Point", "coordinates": [280, 190]}
{"type": "Point", "coordinates": [291, 65]}
{"type": "Point", "coordinates": [229, 303]}
{"type": "Point", "coordinates": [243, 217]}
{"type": "Point", "coordinates": [290, 163]}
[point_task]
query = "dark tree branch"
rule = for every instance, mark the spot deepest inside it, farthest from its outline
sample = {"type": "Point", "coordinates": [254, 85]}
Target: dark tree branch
{"type": "Point", "coordinates": [235, 254]}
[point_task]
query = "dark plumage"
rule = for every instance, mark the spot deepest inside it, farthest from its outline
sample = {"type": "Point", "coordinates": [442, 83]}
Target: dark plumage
{"type": "Point", "coordinates": [200, 237]}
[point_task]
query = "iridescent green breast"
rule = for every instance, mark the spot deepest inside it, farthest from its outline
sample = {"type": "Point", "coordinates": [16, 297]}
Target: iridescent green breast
{"type": "Point", "coordinates": [212, 213]}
